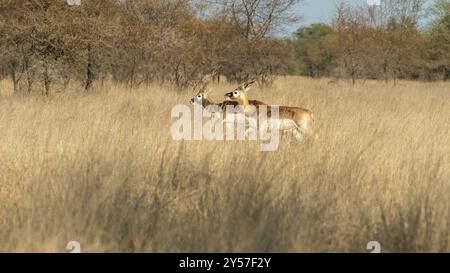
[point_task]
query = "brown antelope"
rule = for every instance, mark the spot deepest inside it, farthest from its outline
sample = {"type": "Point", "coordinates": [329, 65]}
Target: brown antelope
{"type": "Point", "coordinates": [295, 119]}
{"type": "Point", "coordinates": [202, 99]}
{"type": "Point", "coordinates": [221, 110]}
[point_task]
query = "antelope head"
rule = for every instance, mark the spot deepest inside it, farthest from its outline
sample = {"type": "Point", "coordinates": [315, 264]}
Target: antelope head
{"type": "Point", "coordinates": [240, 93]}
{"type": "Point", "coordinates": [202, 94]}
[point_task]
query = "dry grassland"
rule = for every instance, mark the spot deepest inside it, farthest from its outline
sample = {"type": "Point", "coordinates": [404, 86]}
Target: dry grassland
{"type": "Point", "coordinates": [101, 168]}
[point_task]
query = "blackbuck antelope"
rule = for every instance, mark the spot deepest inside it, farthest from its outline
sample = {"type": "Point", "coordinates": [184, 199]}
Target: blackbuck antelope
{"type": "Point", "coordinates": [220, 110]}
{"type": "Point", "coordinates": [295, 119]}
{"type": "Point", "coordinates": [201, 98]}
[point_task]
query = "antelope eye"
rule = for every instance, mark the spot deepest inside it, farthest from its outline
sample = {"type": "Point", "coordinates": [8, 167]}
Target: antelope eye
{"type": "Point", "coordinates": [235, 93]}
{"type": "Point", "coordinates": [199, 96]}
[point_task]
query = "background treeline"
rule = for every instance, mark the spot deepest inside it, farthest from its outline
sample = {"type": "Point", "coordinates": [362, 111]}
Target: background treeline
{"type": "Point", "coordinates": [378, 42]}
{"type": "Point", "coordinates": [46, 44]}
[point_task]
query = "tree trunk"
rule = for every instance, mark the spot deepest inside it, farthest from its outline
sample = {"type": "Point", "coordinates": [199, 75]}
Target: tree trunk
{"type": "Point", "coordinates": [395, 78]}
{"type": "Point", "coordinates": [177, 75]}
{"type": "Point", "coordinates": [47, 81]}
{"type": "Point", "coordinates": [89, 70]}
{"type": "Point", "coordinates": [29, 81]}
{"type": "Point", "coordinates": [15, 80]}
{"type": "Point", "coordinates": [353, 74]}
{"type": "Point", "coordinates": [385, 73]}
{"type": "Point", "coordinates": [132, 76]}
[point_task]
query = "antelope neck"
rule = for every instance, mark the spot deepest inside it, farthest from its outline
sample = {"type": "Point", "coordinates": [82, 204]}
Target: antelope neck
{"type": "Point", "coordinates": [244, 101]}
{"type": "Point", "coordinates": [207, 102]}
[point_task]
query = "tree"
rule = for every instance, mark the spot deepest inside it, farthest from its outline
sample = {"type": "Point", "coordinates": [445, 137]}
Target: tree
{"type": "Point", "coordinates": [404, 41]}
{"type": "Point", "coordinates": [314, 46]}
{"type": "Point", "coordinates": [33, 36]}
{"type": "Point", "coordinates": [374, 41]}
{"type": "Point", "coordinates": [398, 41]}
{"type": "Point", "coordinates": [257, 19]}
{"type": "Point", "coordinates": [438, 46]}
{"type": "Point", "coordinates": [254, 23]}
{"type": "Point", "coordinates": [53, 38]}
{"type": "Point", "coordinates": [352, 44]}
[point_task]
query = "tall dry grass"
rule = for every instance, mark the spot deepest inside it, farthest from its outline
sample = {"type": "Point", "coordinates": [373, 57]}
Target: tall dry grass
{"type": "Point", "coordinates": [101, 168]}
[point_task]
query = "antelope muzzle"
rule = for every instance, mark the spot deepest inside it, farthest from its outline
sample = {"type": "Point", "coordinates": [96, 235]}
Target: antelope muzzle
{"type": "Point", "coordinates": [229, 95]}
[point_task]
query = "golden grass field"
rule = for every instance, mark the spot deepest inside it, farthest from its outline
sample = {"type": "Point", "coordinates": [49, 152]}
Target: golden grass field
{"type": "Point", "coordinates": [102, 169]}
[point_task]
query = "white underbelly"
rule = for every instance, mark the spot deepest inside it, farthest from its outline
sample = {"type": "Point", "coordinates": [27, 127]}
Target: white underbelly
{"type": "Point", "coordinates": [280, 124]}
{"type": "Point", "coordinates": [266, 125]}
